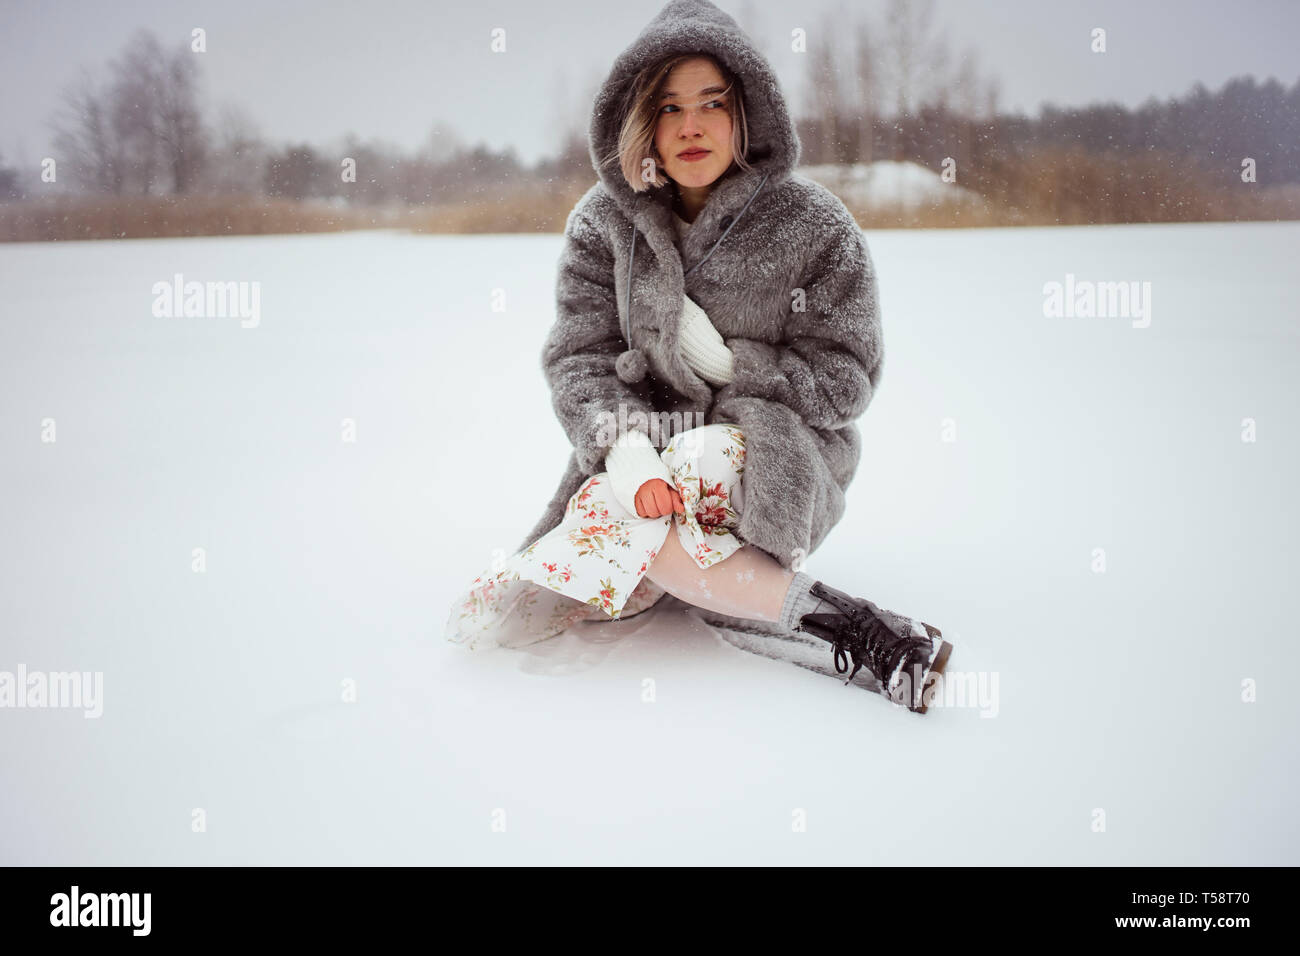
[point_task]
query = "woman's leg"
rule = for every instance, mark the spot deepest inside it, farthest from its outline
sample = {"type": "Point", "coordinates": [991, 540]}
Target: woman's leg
{"type": "Point", "coordinates": [747, 582]}
{"type": "Point", "coordinates": [750, 583]}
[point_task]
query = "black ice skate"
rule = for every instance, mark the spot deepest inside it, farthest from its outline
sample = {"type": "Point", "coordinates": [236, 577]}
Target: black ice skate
{"type": "Point", "coordinates": [902, 654]}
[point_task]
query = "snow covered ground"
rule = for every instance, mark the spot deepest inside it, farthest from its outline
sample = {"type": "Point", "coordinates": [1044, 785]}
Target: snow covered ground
{"type": "Point", "coordinates": [886, 182]}
{"type": "Point", "coordinates": [328, 565]}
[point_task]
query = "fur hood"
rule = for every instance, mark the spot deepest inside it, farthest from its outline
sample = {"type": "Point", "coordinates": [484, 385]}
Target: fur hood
{"type": "Point", "coordinates": [700, 27]}
{"type": "Point", "coordinates": [776, 261]}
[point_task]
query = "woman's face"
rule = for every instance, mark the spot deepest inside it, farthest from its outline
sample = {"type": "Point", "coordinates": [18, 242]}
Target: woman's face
{"type": "Point", "coordinates": [693, 118]}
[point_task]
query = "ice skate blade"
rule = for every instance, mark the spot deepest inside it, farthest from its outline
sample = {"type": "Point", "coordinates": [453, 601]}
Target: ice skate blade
{"type": "Point", "coordinates": [936, 671]}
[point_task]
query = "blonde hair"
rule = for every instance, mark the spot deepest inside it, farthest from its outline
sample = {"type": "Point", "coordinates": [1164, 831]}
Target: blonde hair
{"type": "Point", "coordinates": [637, 135]}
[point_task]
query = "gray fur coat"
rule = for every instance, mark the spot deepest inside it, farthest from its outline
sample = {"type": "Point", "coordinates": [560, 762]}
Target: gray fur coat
{"type": "Point", "coordinates": [780, 267]}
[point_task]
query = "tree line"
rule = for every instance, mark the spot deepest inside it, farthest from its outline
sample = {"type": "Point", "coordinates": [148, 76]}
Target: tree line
{"type": "Point", "coordinates": [890, 93]}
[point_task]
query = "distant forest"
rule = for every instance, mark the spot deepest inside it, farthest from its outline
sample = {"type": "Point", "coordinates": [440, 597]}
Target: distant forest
{"type": "Point", "coordinates": [136, 155]}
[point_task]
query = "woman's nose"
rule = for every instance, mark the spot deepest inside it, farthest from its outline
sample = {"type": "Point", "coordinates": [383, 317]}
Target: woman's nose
{"type": "Point", "coordinates": [690, 120]}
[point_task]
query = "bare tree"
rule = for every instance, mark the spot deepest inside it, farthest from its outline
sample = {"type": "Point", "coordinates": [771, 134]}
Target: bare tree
{"type": "Point", "coordinates": [9, 188]}
{"type": "Point", "coordinates": [992, 94]}
{"type": "Point", "coordinates": [180, 128]}
{"type": "Point", "coordinates": [912, 56]}
{"type": "Point", "coordinates": [843, 79]}
{"type": "Point", "coordinates": [936, 85]}
{"type": "Point", "coordinates": [966, 93]}
{"type": "Point", "coordinates": [237, 159]}
{"type": "Point", "coordinates": [825, 85]}
{"type": "Point", "coordinates": [146, 128]}
{"type": "Point", "coordinates": [134, 109]}
{"type": "Point", "coordinates": [297, 172]}
{"type": "Point", "coordinates": [867, 74]}
{"type": "Point", "coordinates": [236, 129]}
{"type": "Point", "coordinates": [85, 135]}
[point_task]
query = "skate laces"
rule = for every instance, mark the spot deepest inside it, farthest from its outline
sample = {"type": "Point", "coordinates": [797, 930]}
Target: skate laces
{"type": "Point", "coordinates": [870, 643]}
{"type": "Point", "coordinates": [867, 639]}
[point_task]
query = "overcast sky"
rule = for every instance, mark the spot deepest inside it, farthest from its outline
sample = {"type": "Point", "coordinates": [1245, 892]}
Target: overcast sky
{"type": "Point", "coordinates": [390, 69]}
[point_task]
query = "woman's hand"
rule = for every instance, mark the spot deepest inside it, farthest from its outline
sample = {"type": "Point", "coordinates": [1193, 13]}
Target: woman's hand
{"type": "Point", "coordinates": [656, 498]}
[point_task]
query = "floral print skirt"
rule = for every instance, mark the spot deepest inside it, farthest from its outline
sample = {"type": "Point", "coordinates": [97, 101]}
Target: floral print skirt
{"type": "Point", "coordinates": [592, 565]}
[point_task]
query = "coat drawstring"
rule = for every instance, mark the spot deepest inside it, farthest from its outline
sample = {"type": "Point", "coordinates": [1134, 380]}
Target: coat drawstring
{"type": "Point", "coordinates": [631, 365]}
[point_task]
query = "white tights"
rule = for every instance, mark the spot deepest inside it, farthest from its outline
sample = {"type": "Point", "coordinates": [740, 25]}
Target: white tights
{"type": "Point", "coordinates": [748, 583]}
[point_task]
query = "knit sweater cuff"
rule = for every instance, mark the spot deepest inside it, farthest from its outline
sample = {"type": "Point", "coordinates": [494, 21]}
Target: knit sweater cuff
{"type": "Point", "coordinates": [631, 462]}
{"type": "Point", "coordinates": [702, 346]}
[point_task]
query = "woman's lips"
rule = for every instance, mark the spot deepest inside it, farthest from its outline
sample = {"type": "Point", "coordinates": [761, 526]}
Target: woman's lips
{"type": "Point", "coordinates": [693, 156]}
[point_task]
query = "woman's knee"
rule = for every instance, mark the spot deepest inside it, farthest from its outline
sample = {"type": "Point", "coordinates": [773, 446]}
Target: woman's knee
{"type": "Point", "coordinates": [671, 555]}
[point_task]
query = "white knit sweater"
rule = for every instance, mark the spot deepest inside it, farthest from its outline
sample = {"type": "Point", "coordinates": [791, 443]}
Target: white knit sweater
{"type": "Point", "coordinates": [702, 346]}
{"type": "Point", "coordinates": [633, 460]}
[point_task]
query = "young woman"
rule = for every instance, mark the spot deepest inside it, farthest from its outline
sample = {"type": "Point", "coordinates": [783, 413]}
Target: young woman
{"type": "Point", "coordinates": [717, 333]}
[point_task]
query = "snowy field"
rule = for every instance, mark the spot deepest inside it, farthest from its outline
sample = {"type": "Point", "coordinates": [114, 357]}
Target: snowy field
{"type": "Point", "coordinates": [885, 182]}
{"type": "Point", "coordinates": [1003, 448]}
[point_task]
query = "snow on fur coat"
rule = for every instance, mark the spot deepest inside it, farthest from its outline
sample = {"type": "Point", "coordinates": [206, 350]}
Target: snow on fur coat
{"type": "Point", "coordinates": [791, 288]}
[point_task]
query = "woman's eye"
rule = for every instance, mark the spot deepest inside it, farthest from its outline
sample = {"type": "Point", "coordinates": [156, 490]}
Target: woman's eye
{"type": "Point", "coordinates": [715, 103]}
